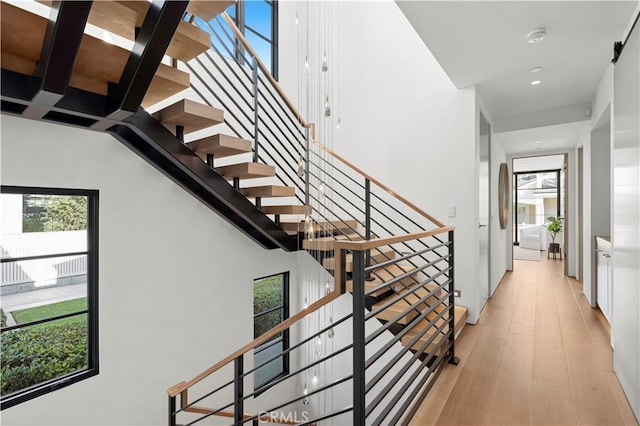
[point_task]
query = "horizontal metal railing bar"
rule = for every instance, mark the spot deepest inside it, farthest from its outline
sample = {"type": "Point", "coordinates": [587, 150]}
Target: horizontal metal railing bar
{"type": "Point", "coordinates": [336, 216]}
{"type": "Point", "coordinates": [439, 360]}
{"type": "Point", "coordinates": [404, 257]}
{"type": "Point", "coordinates": [315, 420]}
{"type": "Point", "coordinates": [205, 410]}
{"type": "Point", "coordinates": [405, 243]}
{"type": "Point", "coordinates": [401, 296]}
{"type": "Point", "coordinates": [400, 212]}
{"type": "Point", "coordinates": [378, 242]}
{"type": "Point", "coordinates": [311, 173]}
{"type": "Point", "coordinates": [389, 324]}
{"type": "Point", "coordinates": [232, 55]}
{"type": "Point", "coordinates": [239, 53]}
{"type": "Point", "coordinates": [284, 110]}
{"type": "Point", "coordinates": [299, 344]}
{"type": "Point", "coordinates": [406, 348]}
{"type": "Point", "coordinates": [402, 371]}
{"type": "Point", "coordinates": [408, 274]}
{"type": "Point", "coordinates": [178, 388]}
{"type": "Point", "coordinates": [434, 377]}
{"type": "Point", "coordinates": [42, 256]}
{"type": "Point", "coordinates": [231, 97]}
{"type": "Point", "coordinates": [381, 185]}
{"type": "Point", "coordinates": [333, 166]}
{"type": "Point", "coordinates": [300, 370]}
{"type": "Point", "coordinates": [226, 122]}
{"type": "Point", "coordinates": [222, 102]}
{"type": "Point", "coordinates": [207, 395]}
{"type": "Point", "coordinates": [264, 69]}
{"type": "Point", "coordinates": [42, 321]}
{"type": "Point", "coordinates": [281, 126]}
{"type": "Point", "coordinates": [313, 392]}
{"type": "Point", "coordinates": [408, 383]}
{"type": "Point", "coordinates": [264, 89]}
{"type": "Point", "coordinates": [228, 65]}
{"type": "Point", "coordinates": [268, 140]}
{"type": "Point", "coordinates": [212, 413]}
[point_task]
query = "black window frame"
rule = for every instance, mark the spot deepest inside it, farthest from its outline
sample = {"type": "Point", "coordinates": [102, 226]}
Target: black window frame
{"type": "Point", "coordinates": [92, 369]}
{"type": "Point", "coordinates": [284, 338]}
{"type": "Point", "coordinates": [516, 241]}
{"type": "Point", "coordinates": [239, 17]}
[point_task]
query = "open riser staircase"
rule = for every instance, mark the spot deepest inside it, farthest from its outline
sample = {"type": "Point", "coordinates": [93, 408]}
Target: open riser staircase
{"type": "Point", "coordinates": [237, 143]}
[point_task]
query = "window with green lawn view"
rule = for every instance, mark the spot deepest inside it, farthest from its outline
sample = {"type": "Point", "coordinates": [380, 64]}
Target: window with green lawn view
{"type": "Point", "coordinates": [49, 288]}
{"type": "Point", "coordinates": [270, 308]}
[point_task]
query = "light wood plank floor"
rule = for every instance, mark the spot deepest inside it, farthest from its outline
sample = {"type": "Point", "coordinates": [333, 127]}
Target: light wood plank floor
{"type": "Point", "coordinates": [538, 356]}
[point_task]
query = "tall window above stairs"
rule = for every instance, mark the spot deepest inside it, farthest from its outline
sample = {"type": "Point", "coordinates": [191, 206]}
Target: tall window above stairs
{"type": "Point", "coordinates": [258, 21]}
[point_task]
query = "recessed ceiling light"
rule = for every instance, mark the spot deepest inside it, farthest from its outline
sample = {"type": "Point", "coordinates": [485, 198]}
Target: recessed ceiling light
{"type": "Point", "coordinates": [535, 69]}
{"type": "Point", "coordinates": [535, 82]}
{"type": "Point", "coordinates": [536, 35]}
{"type": "Point", "coordinates": [537, 142]}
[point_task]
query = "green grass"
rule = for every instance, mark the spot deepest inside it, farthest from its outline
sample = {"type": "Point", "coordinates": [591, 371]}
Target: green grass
{"type": "Point", "coordinates": [52, 310]}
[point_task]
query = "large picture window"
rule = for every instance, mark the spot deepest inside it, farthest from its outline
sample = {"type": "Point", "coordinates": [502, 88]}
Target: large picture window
{"type": "Point", "coordinates": [270, 308]}
{"type": "Point", "coordinates": [258, 22]}
{"type": "Point", "coordinates": [49, 288]}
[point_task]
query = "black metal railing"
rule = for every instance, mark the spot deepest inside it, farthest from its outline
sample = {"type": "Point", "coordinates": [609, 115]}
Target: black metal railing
{"type": "Point", "coordinates": [394, 260]}
{"type": "Point", "coordinates": [397, 354]}
{"type": "Point", "coordinates": [229, 76]}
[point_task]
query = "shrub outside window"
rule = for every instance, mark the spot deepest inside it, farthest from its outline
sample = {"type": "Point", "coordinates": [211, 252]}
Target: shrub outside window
{"type": "Point", "coordinates": [270, 307]}
{"type": "Point", "coordinates": [49, 287]}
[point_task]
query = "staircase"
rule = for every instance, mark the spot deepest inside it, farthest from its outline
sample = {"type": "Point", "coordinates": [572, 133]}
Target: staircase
{"type": "Point", "coordinates": [264, 171]}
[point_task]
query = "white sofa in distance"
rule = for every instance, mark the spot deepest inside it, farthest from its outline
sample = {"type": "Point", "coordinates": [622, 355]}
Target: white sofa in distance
{"type": "Point", "coordinates": [533, 237]}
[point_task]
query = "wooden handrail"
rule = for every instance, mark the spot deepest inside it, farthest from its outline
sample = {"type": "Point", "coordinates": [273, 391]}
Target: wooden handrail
{"type": "Point", "coordinates": [380, 184]}
{"type": "Point", "coordinates": [180, 387]}
{"type": "Point", "coordinates": [264, 69]}
{"type": "Point", "coordinates": [379, 242]}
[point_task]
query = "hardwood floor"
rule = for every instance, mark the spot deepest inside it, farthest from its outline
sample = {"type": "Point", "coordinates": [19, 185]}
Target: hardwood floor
{"type": "Point", "coordinates": [540, 355]}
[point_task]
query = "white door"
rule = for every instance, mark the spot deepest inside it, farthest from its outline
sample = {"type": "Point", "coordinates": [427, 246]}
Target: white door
{"type": "Point", "coordinates": [483, 210]}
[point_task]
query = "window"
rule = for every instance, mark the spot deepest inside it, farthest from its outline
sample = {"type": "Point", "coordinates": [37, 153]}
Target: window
{"type": "Point", "coordinates": [258, 22]}
{"type": "Point", "coordinates": [49, 287]}
{"type": "Point", "coordinates": [536, 199]}
{"type": "Point", "coordinates": [270, 307]}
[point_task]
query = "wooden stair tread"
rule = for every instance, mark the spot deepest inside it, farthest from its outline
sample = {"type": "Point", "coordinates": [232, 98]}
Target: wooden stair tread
{"type": "Point", "coordinates": [122, 18]}
{"type": "Point", "coordinates": [247, 171]}
{"type": "Point", "coordinates": [291, 209]}
{"type": "Point", "coordinates": [460, 317]}
{"type": "Point", "coordinates": [97, 64]}
{"type": "Point", "coordinates": [220, 145]}
{"type": "Point", "coordinates": [323, 226]}
{"type": "Point", "coordinates": [377, 255]}
{"type": "Point", "coordinates": [268, 191]}
{"type": "Point", "coordinates": [326, 243]}
{"type": "Point", "coordinates": [192, 115]}
{"type": "Point", "coordinates": [402, 305]}
{"type": "Point", "coordinates": [384, 275]}
{"type": "Point", "coordinates": [208, 10]}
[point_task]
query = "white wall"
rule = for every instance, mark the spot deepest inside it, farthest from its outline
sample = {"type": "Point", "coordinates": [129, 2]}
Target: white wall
{"type": "Point", "coordinates": [175, 278]}
{"type": "Point", "coordinates": [626, 221]}
{"type": "Point", "coordinates": [401, 118]}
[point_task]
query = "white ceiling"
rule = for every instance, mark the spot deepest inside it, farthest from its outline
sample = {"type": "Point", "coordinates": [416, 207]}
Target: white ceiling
{"type": "Point", "coordinates": [557, 138]}
{"type": "Point", "coordinates": [484, 43]}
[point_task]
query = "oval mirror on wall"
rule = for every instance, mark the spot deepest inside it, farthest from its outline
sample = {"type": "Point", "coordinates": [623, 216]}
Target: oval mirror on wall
{"type": "Point", "coordinates": [503, 195]}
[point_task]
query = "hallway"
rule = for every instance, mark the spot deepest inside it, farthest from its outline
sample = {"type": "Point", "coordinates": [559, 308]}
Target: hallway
{"type": "Point", "coordinates": [539, 355]}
